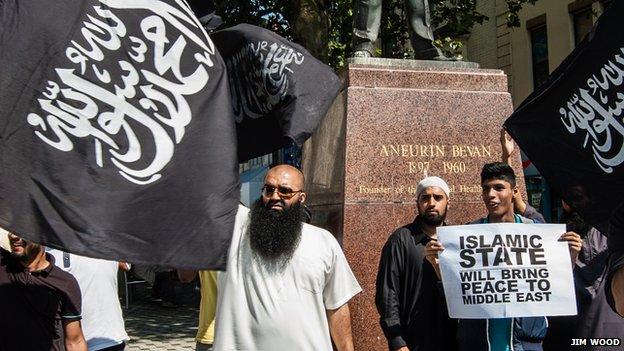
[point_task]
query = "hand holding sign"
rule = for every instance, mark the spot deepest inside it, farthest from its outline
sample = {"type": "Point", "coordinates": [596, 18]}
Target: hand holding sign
{"type": "Point", "coordinates": [575, 243]}
{"type": "Point", "coordinates": [432, 250]}
{"type": "Point", "coordinates": [507, 270]}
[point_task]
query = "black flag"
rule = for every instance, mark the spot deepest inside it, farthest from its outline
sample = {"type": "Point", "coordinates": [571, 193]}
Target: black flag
{"type": "Point", "coordinates": [117, 136]}
{"type": "Point", "coordinates": [118, 133]}
{"type": "Point", "coordinates": [280, 92]}
{"type": "Point", "coordinates": [572, 126]}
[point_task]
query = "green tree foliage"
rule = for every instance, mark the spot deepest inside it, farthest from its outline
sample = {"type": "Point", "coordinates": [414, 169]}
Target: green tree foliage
{"type": "Point", "coordinates": [324, 27]}
{"type": "Point", "coordinates": [270, 14]}
{"type": "Point", "coordinates": [514, 7]}
{"type": "Point", "coordinates": [340, 32]}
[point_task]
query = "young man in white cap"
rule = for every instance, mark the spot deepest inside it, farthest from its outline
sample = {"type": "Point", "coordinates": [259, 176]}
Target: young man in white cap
{"type": "Point", "coordinates": [409, 295]}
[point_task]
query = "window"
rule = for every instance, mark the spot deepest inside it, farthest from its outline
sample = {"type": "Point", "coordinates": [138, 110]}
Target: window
{"type": "Point", "coordinates": [539, 54]}
{"type": "Point", "coordinates": [583, 23]}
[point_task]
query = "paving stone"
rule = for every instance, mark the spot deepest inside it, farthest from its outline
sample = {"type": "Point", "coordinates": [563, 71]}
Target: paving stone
{"type": "Point", "coordinates": [152, 327]}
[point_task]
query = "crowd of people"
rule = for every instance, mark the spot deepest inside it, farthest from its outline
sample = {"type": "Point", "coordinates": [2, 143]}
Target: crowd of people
{"type": "Point", "coordinates": [410, 296]}
{"type": "Point", "coordinates": [287, 285]}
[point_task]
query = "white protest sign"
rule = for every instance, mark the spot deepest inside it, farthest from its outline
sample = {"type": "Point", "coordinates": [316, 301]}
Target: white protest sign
{"type": "Point", "coordinates": [506, 270]}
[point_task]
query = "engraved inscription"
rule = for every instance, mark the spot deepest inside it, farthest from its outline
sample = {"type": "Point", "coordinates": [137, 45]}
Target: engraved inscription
{"type": "Point", "coordinates": [471, 151]}
{"type": "Point", "coordinates": [411, 189]}
{"type": "Point", "coordinates": [426, 158]}
{"type": "Point", "coordinates": [413, 150]}
{"type": "Point", "coordinates": [456, 163]}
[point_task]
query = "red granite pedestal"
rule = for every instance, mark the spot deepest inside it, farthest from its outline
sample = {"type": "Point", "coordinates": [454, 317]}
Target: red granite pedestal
{"type": "Point", "coordinates": [395, 122]}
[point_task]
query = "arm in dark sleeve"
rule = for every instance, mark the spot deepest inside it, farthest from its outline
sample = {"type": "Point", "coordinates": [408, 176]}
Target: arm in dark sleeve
{"type": "Point", "coordinates": [71, 305]}
{"type": "Point", "coordinates": [531, 213]}
{"type": "Point", "coordinates": [388, 287]}
{"type": "Point", "coordinates": [616, 264]}
{"type": "Point", "coordinates": [616, 256]}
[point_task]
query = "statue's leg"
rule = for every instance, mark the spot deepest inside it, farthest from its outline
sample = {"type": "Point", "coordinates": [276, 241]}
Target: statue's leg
{"type": "Point", "coordinates": [421, 34]}
{"type": "Point", "coordinates": [366, 21]}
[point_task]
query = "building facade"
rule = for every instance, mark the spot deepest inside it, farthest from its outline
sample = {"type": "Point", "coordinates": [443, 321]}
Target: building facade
{"type": "Point", "coordinates": [548, 32]}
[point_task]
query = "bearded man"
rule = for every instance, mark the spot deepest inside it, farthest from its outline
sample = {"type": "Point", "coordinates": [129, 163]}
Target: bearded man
{"type": "Point", "coordinates": [287, 283]}
{"type": "Point", "coordinates": [41, 303]}
{"type": "Point", "coordinates": [409, 296]}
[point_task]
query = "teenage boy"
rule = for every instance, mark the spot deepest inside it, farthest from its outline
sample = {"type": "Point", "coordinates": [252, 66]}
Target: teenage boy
{"type": "Point", "coordinates": [498, 185]}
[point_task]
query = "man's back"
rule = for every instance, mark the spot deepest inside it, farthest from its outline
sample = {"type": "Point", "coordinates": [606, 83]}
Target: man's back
{"type": "Point", "coordinates": [266, 307]}
{"type": "Point", "coordinates": [102, 323]}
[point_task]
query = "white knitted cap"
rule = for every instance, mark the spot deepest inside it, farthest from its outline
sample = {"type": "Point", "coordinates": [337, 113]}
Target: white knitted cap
{"type": "Point", "coordinates": [433, 181]}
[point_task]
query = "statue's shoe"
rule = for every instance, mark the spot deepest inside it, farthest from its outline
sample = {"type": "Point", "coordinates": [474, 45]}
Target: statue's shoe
{"type": "Point", "coordinates": [444, 58]}
{"type": "Point", "coordinates": [362, 54]}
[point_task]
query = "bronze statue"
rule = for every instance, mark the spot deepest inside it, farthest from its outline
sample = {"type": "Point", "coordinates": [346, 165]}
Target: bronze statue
{"type": "Point", "coordinates": [366, 28]}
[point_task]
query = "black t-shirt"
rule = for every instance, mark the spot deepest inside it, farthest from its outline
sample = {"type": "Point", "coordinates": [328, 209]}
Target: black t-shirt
{"type": "Point", "coordinates": [35, 305]}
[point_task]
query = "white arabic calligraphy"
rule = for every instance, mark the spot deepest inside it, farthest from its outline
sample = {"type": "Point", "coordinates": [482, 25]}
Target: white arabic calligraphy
{"type": "Point", "coordinates": [106, 114]}
{"type": "Point", "coordinates": [259, 77]}
{"type": "Point", "coordinates": [589, 110]}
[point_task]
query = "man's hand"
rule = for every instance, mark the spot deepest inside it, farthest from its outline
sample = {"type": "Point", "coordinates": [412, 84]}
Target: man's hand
{"type": "Point", "coordinates": [186, 275]}
{"type": "Point", "coordinates": [507, 145]}
{"type": "Point", "coordinates": [74, 340]}
{"type": "Point", "coordinates": [404, 348]}
{"type": "Point", "coordinates": [124, 266]}
{"type": "Point", "coordinates": [339, 321]}
{"type": "Point", "coordinates": [432, 249]}
{"type": "Point", "coordinates": [575, 244]}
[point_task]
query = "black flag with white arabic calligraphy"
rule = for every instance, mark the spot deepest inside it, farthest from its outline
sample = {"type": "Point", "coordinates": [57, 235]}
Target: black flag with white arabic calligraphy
{"type": "Point", "coordinates": [117, 135]}
{"type": "Point", "coordinates": [572, 127]}
{"type": "Point", "coordinates": [280, 92]}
